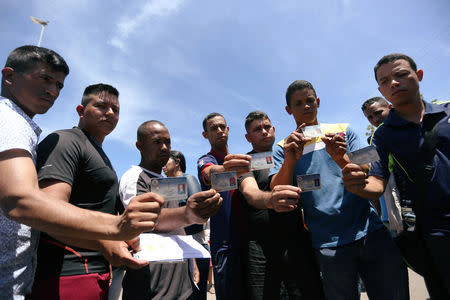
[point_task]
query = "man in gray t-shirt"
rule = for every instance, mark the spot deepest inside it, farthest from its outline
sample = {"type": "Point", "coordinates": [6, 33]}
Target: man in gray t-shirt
{"type": "Point", "coordinates": [27, 89]}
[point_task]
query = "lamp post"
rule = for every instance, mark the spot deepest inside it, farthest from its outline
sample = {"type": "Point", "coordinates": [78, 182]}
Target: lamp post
{"type": "Point", "coordinates": [43, 24]}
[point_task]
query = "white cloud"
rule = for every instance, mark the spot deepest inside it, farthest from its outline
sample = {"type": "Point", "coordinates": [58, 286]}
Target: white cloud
{"type": "Point", "coordinates": [128, 25]}
{"type": "Point", "coordinates": [117, 42]}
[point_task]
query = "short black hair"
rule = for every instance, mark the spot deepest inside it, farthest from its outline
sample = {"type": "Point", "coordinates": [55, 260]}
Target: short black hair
{"type": "Point", "coordinates": [142, 129]}
{"type": "Point", "coordinates": [177, 155]}
{"type": "Point", "coordinates": [373, 100]}
{"type": "Point", "coordinates": [25, 58]}
{"type": "Point", "coordinates": [96, 89]}
{"type": "Point", "coordinates": [298, 85]}
{"type": "Point", "coordinates": [255, 115]}
{"type": "Point", "coordinates": [393, 57]}
{"type": "Point", "coordinates": [210, 116]}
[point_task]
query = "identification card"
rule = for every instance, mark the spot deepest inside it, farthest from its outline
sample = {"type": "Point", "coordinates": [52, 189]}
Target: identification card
{"type": "Point", "coordinates": [364, 156]}
{"type": "Point", "coordinates": [309, 182]}
{"type": "Point", "coordinates": [225, 181]}
{"type": "Point", "coordinates": [312, 131]}
{"type": "Point", "coordinates": [171, 188]}
{"type": "Point", "coordinates": [260, 161]}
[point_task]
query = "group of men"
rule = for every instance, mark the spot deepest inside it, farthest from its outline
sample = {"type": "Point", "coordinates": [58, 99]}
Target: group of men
{"type": "Point", "coordinates": [69, 191]}
{"type": "Point", "coordinates": [269, 239]}
{"type": "Point", "coordinates": [345, 239]}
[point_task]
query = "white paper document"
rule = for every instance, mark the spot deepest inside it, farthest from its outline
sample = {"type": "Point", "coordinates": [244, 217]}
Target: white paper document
{"type": "Point", "coordinates": [169, 248]}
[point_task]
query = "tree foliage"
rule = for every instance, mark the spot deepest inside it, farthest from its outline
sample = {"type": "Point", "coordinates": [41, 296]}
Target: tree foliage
{"type": "Point", "coordinates": [370, 130]}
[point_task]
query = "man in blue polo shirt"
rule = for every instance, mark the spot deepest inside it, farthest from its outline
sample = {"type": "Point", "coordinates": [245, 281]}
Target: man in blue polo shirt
{"type": "Point", "coordinates": [225, 226]}
{"type": "Point", "coordinates": [346, 232]}
{"type": "Point", "coordinates": [399, 140]}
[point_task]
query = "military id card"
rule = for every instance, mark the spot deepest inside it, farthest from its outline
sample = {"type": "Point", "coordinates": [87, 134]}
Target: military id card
{"type": "Point", "coordinates": [309, 182]}
{"type": "Point", "coordinates": [312, 131]}
{"type": "Point", "coordinates": [364, 156]}
{"type": "Point", "coordinates": [225, 181]}
{"type": "Point", "coordinates": [260, 161]}
{"type": "Point", "coordinates": [171, 188]}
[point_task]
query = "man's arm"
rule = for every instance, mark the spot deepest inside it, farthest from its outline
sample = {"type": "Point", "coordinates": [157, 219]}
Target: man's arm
{"type": "Point", "coordinates": [116, 252]}
{"type": "Point", "coordinates": [233, 162]}
{"type": "Point", "coordinates": [357, 182]}
{"type": "Point", "coordinates": [282, 198]}
{"type": "Point", "coordinates": [199, 207]}
{"type": "Point", "coordinates": [23, 201]}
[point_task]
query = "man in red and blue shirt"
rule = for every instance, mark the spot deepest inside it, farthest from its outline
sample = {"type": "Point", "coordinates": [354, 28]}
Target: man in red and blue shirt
{"type": "Point", "coordinates": [225, 226]}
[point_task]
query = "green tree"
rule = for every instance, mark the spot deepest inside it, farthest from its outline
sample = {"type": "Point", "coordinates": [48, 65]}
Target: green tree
{"type": "Point", "coordinates": [370, 130]}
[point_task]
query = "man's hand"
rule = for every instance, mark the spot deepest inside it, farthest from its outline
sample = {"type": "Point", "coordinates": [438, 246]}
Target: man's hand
{"type": "Point", "coordinates": [336, 145]}
{"type": "Point", "coordinates": [237, 162]}
{"type": "Point", "coordinates": [355, 179]}
{"type": "Point", "coordinates": [196, 271]}
{"type": "Point", "coordinates": [140, 215]}
{"type": "Point", "coordinates": [293, 145]}
{"type": "Point", "coordinates": [284, 198]}
{"type": "Point", "coordinates": [118, 254]}
{"type": "Point", "coordinates": [202, 205]}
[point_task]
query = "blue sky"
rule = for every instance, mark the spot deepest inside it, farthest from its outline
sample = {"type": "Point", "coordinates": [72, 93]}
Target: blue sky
{"type": "Point", "coordinates": [178, 60]}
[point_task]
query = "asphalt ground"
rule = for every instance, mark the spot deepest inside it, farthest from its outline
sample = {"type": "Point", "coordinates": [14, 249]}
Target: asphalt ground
{"type": "Point", "coordinates": [417, 289]}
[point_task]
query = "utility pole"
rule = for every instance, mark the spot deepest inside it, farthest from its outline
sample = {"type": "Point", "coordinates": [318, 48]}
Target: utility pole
{"type": "Point", "coordinates": [43, 24]}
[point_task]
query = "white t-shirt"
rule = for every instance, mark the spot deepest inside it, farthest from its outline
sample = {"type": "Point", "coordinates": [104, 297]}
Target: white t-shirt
{"type": "Point", "coordinates": [18, 242]}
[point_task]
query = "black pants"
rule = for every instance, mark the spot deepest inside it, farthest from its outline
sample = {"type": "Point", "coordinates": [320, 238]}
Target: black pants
{"type": "Point", "coordinates": [203, 268]}
{"type": "Point", "coordinates": [228, 274]}
{"type": "Point", "coordinates": [438, 280]}
{"type": "Point", "coordinates": [283, 272]}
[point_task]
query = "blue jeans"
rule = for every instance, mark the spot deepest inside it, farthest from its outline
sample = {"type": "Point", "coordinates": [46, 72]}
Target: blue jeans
{"type": "Point", "coordinates": [375, 258]}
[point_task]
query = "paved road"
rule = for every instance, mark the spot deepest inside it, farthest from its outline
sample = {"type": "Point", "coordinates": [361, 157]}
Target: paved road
{"type": "Point", "coordinates": [417, 288]}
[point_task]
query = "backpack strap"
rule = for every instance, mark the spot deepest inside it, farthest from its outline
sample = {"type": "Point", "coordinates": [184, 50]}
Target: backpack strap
{"type": "Point", "coordinates": [425, 167]}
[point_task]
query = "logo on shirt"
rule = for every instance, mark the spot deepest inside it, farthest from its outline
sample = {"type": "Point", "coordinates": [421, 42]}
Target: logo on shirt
{"type": "Point", "coordinates": [201, 163]}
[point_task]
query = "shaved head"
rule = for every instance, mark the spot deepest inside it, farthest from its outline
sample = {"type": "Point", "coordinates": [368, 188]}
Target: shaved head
{"type": "Point", "coordinates": [145, 128]}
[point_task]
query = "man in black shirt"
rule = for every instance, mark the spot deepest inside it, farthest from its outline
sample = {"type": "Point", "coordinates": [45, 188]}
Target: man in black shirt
{"type": "Point", "coordinates": [72, 166]}
{"type": "Point", "coordinates": [280, 260]}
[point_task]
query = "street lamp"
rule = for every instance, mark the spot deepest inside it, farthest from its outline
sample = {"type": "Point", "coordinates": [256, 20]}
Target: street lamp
{"type": "Point", "coordinates": [39, 22]}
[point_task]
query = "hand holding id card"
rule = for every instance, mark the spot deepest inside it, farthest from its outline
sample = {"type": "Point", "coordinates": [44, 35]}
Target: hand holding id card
{"type": "Point", "coordinates": [312, 131]}
{"type": "Point", "coordinates": [364, 156]}
{"type": "Point", "coordinates": [171, 188]}
{"type": "Point", "coordinates": [260, 161]}
{"type": "Point", "coordinates": [309, 182]}
{"type": "Point", "coordinates": [225, 181]}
